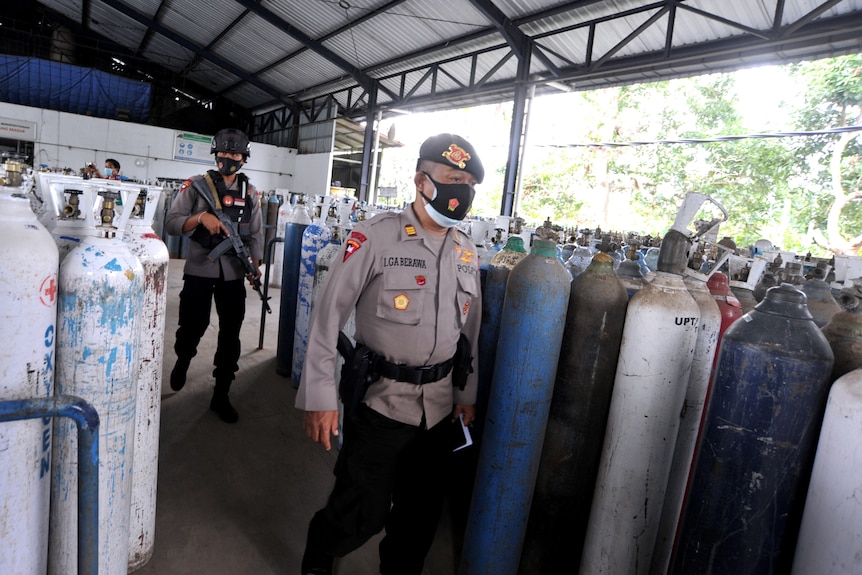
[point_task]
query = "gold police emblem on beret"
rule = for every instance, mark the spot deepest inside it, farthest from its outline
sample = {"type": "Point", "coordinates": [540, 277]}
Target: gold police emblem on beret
{"type": "Point", "coordinates": [457, 155]}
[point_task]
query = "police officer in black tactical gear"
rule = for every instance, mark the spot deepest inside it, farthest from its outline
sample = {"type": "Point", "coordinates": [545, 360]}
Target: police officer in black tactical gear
{"type": "Point", "coordinates": [220, 278]}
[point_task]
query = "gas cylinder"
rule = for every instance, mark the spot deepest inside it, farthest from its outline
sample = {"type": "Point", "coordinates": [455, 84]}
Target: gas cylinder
{"type": "Point", "coordinates": [652, 374]}
{"type": "Point", "coordinates": [64, 216]}
{"type": "Point", "coordinates": [28, 293]}
{"type": "Point", "coordinates": [696, 395]}
{"type": "Point", "coordinates": [757, 447]}
{"type": "Point", "coordinates": [728, 304]}
{"type": "Point", "coordinates": [831, 532]}
{"type": "Point", "coordinates": [271, 220]}
{"type": "Point", "coordinates": [576, 423]}
{"type": "Point", "coordinates": [153, 255]}
{"type": "Point", "coordinates": [100, 307]}
{"type": "Point", "coordinates": [492, 308]}
{"type": "Point", "coordinates": [578, 262]}
{"type": "Point", "coordinates": [531, 329]}
{"type": "Point", "coordinates": [276, 265]}
{"type": "Point", "coordinates": [314, 238]}
{"type": "Point", "coordinates": [295, 226]}
{"type": "Point", "coordinates": [744, 276]}
{"type": "Point", "coordinates": [649, 393]}
{"type": "Point", "coordinates": [821, 304]}
{"type": "Point", "coordinates": [844, 331]}
{"type": "Point", "coordinates": [631, 275]}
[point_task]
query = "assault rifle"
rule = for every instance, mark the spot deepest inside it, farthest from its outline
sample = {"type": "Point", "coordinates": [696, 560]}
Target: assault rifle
{"type": "Point", "coordinates": [232, 241]}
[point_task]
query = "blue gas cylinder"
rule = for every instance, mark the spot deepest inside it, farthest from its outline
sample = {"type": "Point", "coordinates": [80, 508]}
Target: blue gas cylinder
{"type": "Point", "coordinates": [759, 436]}
{"type": "Point", "coordinates": [492, 308]}
{"type": "Point", "coordinates": [295, 226]}
{"type": "Point", "coordinates": [531, 329]}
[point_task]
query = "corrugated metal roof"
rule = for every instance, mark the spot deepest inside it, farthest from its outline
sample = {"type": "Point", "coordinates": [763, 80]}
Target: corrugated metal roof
{"type": "Point", "coordinates": [427, 55]}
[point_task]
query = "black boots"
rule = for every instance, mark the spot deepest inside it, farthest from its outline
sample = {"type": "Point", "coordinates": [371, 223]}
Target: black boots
{"type": "Point", "coordinates": [178, 375]}
{"type": "Point", "coordinates": [221, 403]}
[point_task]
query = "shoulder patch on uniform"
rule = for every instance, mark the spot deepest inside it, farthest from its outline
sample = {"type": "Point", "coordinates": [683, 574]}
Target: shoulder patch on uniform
{"type": "Point", "coordinates": [351, 247]}
{"type": "Point", "coordinates": [410, 229]}
{"type": "Point", "coordinates": [186, 185]}
{"type": "Point", "coordinates": [358, 236]}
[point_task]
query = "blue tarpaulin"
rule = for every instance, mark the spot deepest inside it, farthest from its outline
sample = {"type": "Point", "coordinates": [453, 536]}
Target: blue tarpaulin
{"type": "Point", "coordinates": [73, 89]}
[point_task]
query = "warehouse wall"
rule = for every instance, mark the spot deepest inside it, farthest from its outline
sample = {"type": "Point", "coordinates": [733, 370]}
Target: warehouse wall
{"type": "Point", "coordinates": [71, 140]}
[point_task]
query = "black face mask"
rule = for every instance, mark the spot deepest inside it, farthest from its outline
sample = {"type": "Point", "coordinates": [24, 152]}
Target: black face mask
{"type": "Point", "coordinates": [227, 166]}
{"type": "Point", "coordinates": [451, 202]}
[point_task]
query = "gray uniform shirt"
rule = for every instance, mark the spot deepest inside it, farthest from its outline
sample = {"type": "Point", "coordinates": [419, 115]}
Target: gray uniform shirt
{"type": "Point", "coordinates": [188, 202]}
{"type": "Point", "coordinates": [412, 302]}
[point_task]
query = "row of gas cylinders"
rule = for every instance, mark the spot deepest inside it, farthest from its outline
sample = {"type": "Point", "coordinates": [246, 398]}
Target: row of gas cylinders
{"type": "Point", "coordinates": [83, 315]}
{"type": "Point", "coordinates": [651, 428]}
{"type": "Point", "coordinates": [662, 431]}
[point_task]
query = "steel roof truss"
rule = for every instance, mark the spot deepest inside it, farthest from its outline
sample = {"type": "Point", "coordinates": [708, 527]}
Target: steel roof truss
{"type": "Point", "coordinates": [361, 77]}
{"type": "Point", "coordinates": [634, 34]}
{"type": "Point", "coordinates": [203, 52]}
{"type": "Point", "coordinates": [808, 18]}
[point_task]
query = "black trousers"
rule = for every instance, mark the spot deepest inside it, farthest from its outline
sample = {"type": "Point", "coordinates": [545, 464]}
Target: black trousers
{"type": "Point", "coordinates": [388, 474]}
{"type": "Point", "coordinates": [196, 300]}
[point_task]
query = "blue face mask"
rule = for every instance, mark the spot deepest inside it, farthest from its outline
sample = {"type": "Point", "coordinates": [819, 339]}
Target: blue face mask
{"type": "Point", "coordinates": [109, 172]}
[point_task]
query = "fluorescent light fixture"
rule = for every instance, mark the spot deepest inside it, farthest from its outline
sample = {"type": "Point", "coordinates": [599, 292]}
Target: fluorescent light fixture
{"type": "Point", "coordinates": [559, 86]}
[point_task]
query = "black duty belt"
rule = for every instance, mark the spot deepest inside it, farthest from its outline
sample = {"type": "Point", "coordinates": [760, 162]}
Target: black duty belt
{"type": "Point", "coordinates": [415, 375]}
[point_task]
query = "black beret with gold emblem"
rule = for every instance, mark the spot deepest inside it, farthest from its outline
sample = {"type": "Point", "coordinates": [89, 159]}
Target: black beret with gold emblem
{"type": "Point", "coordinates": [454, 151]}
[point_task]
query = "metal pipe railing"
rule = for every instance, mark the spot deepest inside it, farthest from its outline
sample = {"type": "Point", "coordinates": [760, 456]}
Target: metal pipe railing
{"type": "Point", "coordinates": [87, 420]}
{"type": "Point", "coordinates": [268, 260]}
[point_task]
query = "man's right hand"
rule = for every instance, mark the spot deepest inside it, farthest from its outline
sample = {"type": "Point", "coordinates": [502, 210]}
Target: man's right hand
{"type": "Point", "coordinates": [320, 425]}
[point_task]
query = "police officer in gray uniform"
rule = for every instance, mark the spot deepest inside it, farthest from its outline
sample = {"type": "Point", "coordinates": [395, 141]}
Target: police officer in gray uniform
{"type": "Point", "coordinates": [221, 278]}
{"type": "Point", "coordinates": [413, 279]}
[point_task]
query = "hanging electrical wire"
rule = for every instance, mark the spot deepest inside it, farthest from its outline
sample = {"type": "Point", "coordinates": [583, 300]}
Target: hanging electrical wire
{"type": "Point", "coordinates": [829, 131]}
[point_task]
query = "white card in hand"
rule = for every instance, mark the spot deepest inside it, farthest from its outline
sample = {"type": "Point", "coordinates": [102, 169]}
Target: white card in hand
{"type": "Point", "coordinates": [468, 439]}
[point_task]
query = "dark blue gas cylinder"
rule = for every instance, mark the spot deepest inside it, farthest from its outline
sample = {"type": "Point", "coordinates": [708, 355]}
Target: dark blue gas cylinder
{"type": "Point", "coordinates": [531, 330]}
{"type": "Point", "coordinates": [576, 424]}
{"type": "Point", "coordinates": [759, 436]}
{"type": "Point", "coordinates": [287, 307]}
{"type": "Point", "coordinates": [492, 309]}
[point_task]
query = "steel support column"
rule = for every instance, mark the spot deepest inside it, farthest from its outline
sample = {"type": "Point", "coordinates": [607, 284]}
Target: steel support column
{"type": "Point", "coordinates": [368, 145]}
{"type": "Point", "coordinates": [516, 133]}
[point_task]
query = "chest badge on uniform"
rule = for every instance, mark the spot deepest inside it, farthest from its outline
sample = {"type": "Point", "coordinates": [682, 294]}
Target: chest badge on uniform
{"type": "Point", "coordinates": [466, 308]}
{"type": "Point", "coordinates": [420, 280]}
{"type": "Point", "coordinates": [411, 231]}
{"type": "Point", "coordinates": [465, 255]}
{"type": "Point", "coordinates": [401, 302]}
{"type": "Point", "coordinates": [227, 201]}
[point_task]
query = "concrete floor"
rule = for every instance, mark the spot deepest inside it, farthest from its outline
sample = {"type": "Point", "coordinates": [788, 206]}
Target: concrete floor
{"type": "Point", "coordinates": [237, 499]}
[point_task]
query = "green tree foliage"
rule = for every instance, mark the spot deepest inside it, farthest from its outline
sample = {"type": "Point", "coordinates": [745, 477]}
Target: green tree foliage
{"type": "Point", "coordinates": [833, 99]}
{"type": "Point", "coordinates": [775, 188]}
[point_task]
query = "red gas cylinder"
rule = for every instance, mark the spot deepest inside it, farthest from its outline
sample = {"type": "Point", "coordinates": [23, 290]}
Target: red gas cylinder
{"type": "Point", "coordinates": [728, 304]}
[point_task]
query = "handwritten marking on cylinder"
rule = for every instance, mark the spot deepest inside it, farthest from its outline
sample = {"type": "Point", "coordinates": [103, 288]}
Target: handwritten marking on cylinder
{"type": "Point", "coordinates": [755, 482]}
